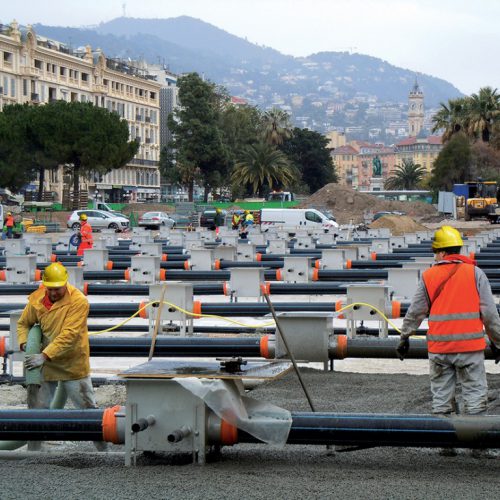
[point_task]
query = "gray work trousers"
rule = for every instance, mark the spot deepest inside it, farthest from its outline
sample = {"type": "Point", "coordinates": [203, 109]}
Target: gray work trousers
{"type": "Point", "coordinates": [466, 368]}
{"type": "Point", "coordinates": [80, 392]}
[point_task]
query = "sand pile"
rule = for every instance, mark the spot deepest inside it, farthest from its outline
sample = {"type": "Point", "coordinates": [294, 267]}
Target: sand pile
{"type": "Point", "coordinates": [398, 224]}
{"type": "Point", "coordinates": [347, 204]}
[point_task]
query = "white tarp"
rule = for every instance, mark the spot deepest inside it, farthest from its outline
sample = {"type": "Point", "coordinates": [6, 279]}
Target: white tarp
{"type": "Point", "coordinates": [265, 421]}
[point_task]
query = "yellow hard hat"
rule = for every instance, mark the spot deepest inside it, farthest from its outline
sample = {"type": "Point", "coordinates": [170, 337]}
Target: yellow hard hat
{"type": "Point", "coordinates": [247, 212]}
{"type": "Point", "coordinates": [446, 237]}
{"type": "Point", "coordinates": [218, 210]}
{"type": "Point", "coordinates": [55, 275]}
{"type": "Point", "coordinates": [83, 216]}
{"type": "Point", "coordinates": [9, 213]}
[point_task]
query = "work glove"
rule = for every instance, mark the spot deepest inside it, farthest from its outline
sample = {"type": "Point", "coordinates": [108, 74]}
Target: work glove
{"type": "Point", "coordinates": [496, 352]}
{"type": "Point", "coordinates": [33, 361]}
{"type": "Point", "coordinates": [403, 348]}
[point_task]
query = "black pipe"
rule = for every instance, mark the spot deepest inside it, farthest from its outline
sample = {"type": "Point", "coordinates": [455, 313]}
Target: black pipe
{"type": "Point", "coordinates": [51, 425]}
{"type": "Point", "coordinates": [355, 429]}
{"type": "Point", "coordinates": [359, 347]}
{"type": "Point", "coordinates": [96, 381]}
{"type": "Point", "coordinates": [124, 310]}
{"type": "Point", "coordinates": [351, 429]}
{"type": "Point", "coordinates": [315, 288]}
{"type": "Point", "coordinates": [175, 346]}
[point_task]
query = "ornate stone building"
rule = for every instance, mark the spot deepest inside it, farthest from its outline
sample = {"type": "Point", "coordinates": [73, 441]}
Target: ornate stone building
{"type": "Point", "coordinates": [37, 70]}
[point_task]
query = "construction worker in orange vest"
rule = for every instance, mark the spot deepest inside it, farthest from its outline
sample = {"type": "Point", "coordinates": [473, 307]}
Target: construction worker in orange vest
{"type": "Point", "coordinates": [456, 296]}
{"type": "Point", "coordinates": [9, 224]}
{"type": "Point", "coordinates": [85, 234]}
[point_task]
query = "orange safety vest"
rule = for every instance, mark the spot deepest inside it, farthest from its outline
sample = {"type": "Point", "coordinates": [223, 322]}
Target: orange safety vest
{"type": "Point", "coordinates": [87, 241]}
{"type": "Point", "coordinates": [9, 221]}
{"type": "Point", "coordinates": [455, 323]}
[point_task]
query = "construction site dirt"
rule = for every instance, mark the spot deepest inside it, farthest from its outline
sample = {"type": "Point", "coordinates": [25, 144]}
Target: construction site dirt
{"type": "Point", "coordinates": [73, 470]}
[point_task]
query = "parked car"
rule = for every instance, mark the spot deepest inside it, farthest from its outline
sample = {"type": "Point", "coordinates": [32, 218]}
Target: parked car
{"type": "Point", "coordinates": [207, 218]}
{"type": "Point", "coordinates": [98, 219]}
{"type": "Point", "coordinates": [153, 220]}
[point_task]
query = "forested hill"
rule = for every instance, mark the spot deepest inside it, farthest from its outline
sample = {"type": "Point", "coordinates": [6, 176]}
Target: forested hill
{"type": "Point", "coordinates": [262, 75]}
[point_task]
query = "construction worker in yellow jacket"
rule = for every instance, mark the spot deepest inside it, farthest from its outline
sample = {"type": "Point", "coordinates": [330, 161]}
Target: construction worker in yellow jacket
{"type": "Point", "coordinates": [61, 310]}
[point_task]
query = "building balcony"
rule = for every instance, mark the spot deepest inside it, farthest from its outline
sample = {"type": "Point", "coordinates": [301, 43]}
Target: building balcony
{"type": "Point", "coordinates": [30, 71]}
{"type": "Point", "coordinates": [100, 88]}
{"type": "Point", "coordinates": [142, 162]}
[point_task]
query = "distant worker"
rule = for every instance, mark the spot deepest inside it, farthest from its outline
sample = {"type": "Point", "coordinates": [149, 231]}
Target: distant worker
{"type": "Point", "coordinates": [61, 310]}
{"type": "Point", "coordinates": [9, 224]}
{"type": "Point", "coordinates": [85, 235]}
{"type": "Point", "coordinates": [248, 218]}
{"type": "Point", "coordinates": [236, 220]}
{"type": "Point", "coordinates": [457, 297]}
{"type": "Point", "coordinates": [219, 218]}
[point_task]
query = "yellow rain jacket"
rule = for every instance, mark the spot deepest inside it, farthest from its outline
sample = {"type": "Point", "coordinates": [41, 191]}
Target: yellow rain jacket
{"type": "Point", "coordinates": [65, 335]}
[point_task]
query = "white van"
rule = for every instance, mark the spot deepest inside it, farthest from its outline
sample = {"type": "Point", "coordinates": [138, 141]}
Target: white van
{"type": "Point", "coordinates": [295, 218]}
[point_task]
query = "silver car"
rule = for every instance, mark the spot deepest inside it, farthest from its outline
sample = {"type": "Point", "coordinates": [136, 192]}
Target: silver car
{"type": "Point", "coordinates": [98, 219]}
{"type": "Point", "coordinates": [154, 220]}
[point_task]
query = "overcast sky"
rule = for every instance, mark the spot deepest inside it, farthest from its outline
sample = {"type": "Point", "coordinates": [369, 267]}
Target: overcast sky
{"type": "Point", "coordinates": [457, 40]}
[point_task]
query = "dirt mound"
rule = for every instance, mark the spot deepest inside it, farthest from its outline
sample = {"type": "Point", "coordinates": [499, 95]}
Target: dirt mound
{"type": "Point", "coordinates": [348, 204]}
{"type": "Point", "coordinates": [398, 224]}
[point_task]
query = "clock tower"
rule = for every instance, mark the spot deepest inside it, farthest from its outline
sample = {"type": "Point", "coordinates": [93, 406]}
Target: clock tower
{"type": "Point", "coordinates": [415, 110]}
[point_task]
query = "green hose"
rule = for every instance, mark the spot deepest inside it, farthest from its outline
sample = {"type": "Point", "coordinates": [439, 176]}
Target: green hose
{"type": "Point", "coordinates": [59, 399]}
{"type": "Point", "coordinates": [34, 346]}
{"type": "Point", "coordinates": [33, 381]}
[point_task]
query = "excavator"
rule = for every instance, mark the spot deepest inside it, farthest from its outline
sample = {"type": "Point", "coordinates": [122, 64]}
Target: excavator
{"type": "Point", "coordinates": [480, 199]}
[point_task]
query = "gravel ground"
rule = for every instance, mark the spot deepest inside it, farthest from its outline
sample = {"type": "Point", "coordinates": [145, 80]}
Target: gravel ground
{"type": "Point", "coordinates": [259, 471]}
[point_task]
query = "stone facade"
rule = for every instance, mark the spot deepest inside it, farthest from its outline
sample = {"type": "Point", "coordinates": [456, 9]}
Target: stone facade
{"type": "Point", "coordinates": [37, 70]}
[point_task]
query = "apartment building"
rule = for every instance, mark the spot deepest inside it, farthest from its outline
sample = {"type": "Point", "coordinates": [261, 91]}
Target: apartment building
{"type": "Point", "coordinates": [36, 70]}
{"type": "Point", "coordinates": [422, 150]}
{"type": "Point", "coordinates": [365, 157]}
{"type": "Point", "coordinates": [346, 165]}
{"type": "Point", "coordinates": [354, 163]}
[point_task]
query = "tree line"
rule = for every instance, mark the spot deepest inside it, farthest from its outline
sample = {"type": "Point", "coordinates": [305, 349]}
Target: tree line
{"type": "Point", "coordinates": [471, 136]}
{"type": "Point", "coordinates": [239, 149]}
{"type": "Point", "coordinates": [85, 139]}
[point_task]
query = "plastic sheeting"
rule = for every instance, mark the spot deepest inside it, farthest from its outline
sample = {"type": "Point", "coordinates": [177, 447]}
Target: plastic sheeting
{"type": "Point", "coordinates": [264, 421]}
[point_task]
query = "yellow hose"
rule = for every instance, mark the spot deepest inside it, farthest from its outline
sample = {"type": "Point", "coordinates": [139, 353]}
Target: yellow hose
{"type": "Point", "coordinates": [262, 325]}
{"type": "Point", "coordinates": [188, 313]}
{"type": "Point", "coordinates": [376, 309]}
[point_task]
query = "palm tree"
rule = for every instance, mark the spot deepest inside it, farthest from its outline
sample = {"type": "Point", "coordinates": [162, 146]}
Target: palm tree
{"type": "Point", "coordinates": [262, 165]}
{"type": "Point", "coordinates": [277, 126]}
{"type": "Point", "coordinates": [483, 113]}
{"type": "Point", "coordinates": [407, 176]}
{"type": "Point", "coordinates": [451, 118]}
